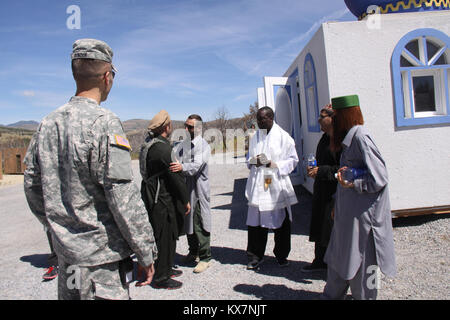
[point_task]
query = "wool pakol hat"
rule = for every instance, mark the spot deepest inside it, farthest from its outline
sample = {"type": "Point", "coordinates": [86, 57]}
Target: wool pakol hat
{"type": "Point", "coordinates": [161, 119]}
{"type": "Point", "coordinates": [345, 102]}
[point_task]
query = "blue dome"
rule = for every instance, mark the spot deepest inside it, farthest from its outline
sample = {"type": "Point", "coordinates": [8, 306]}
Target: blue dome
{"type": "Point", "coordinates": [359, 7]}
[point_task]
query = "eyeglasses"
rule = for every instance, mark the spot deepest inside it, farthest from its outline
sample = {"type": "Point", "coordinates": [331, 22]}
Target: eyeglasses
{"type": "Point", "coordinates": [188, 126]}
{"type": "Point", "coordinates": [110, 71]}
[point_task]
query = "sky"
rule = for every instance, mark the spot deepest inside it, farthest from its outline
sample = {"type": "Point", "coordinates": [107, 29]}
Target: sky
{"type": "Point", "coordinates": [189, 56]}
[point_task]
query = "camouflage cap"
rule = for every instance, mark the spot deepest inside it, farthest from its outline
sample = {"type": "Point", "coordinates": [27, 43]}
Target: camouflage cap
{"type": "Point", "coordinates": [92, 49]}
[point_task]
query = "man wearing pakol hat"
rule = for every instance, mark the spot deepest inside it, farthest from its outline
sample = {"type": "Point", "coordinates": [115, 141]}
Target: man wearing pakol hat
{"type": "Point", "coordinates": [79, 184]}
{"type": "Point", "coordinates": [192, 157]}
{"type": "Point", "coordinates": [271, 158]}
{"type": "Point", "coordinates": [362, 238]}
{"type": "Point", "coordinates": [166, 198]}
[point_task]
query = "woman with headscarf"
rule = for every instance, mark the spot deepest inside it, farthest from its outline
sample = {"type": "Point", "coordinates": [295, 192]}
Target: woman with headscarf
{"type": "Point", "coordinates": [362, 238]}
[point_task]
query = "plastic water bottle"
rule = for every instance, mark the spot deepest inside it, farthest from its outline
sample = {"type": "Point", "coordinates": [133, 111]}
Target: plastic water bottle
{"type": "Point", "coordinates": [312, 162]}
{"type": "Point", "coordinates": [350, 174]}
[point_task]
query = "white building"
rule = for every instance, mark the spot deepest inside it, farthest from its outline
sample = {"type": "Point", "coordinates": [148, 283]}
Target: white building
{"type": "Point", "coordinates": [398, 64]}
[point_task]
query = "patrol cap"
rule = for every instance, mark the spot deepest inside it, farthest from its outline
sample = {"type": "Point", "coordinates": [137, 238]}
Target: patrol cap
{"type": "Point", "coordinates": [345, 102]}
{"type": "Point", "coordinates": [92, 49]}
{"type": "Point", "coordinates": [161, 119]}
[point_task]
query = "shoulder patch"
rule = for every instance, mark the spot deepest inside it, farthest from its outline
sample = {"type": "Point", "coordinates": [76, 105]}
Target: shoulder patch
{"type": "Point", "coordinates": [121, 141]}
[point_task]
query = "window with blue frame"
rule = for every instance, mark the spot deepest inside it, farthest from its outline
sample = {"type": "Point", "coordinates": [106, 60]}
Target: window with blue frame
{"type": "Point", "coordinates": [420, 69]}
{"type": "Point", "coordinates": [312, 104]}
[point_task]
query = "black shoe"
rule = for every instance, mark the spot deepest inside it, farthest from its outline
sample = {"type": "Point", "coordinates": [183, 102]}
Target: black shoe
{"type": "Point", "coordinates": [51, 273]}
{"type": "Point", "coordinates": [175, 273]}
{"type": "Point", "coordinates": [254, 264]}
{"type": "Point", "coordinates": [169, 284]}
{"type": "Point", "coordinates": [314, 267]}
{"type": "Point", "coordinates": [283, 262]}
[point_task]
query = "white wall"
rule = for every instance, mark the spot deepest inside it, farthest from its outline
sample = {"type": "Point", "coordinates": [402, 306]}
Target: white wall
{"type": "Point", "coordinates": [359, 62]}
{"type": "Point", "coordinates": [316, 47]}
{"type": "Point", "coordinates": [351, 58]}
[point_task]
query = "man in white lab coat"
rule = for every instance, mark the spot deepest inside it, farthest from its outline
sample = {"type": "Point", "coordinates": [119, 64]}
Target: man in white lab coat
{"type": "Point", "coordinates": [271, 158]}
{"type": "Point", "coordinates": [194, 154]}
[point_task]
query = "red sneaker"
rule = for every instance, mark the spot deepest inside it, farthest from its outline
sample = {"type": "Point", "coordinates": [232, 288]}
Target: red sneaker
{"type": "Point", "coordinates": [51, 273]}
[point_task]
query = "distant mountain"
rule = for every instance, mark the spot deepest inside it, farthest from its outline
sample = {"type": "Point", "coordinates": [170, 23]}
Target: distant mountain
{"type": "Point", "coordinates": [136, 129]}
{"type": "Point", "coordinates": [28, 125]}
{"type": "Point", "coordinates": [141, 124]}
{"type": "Point", "coordinates": [14, 137]}
{"type": "Point", "coordinates": [134, 124]}
{"type": "Point", "coordinates": [12, 130]}
{"type": "Point", "coordinates": [129, 125]}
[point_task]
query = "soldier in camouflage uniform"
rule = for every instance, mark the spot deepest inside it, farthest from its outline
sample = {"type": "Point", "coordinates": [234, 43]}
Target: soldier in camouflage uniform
{"type": "Point", "coordinates": [79, 184]}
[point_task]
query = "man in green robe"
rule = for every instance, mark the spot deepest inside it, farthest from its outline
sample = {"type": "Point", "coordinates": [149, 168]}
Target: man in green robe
{"type": "Point", "coordinates": [166, 198]}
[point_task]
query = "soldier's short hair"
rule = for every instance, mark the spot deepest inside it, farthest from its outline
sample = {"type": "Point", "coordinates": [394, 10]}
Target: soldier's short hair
{"type": "Point", "coordinates": [88, 69]}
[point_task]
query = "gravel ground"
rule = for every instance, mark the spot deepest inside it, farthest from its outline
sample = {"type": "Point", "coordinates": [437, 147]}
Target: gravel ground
{"type": "Point", "coordinates": [422, 250]}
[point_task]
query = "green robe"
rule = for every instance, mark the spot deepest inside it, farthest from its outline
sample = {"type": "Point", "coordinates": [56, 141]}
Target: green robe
{"type": "Point", "coordinates": [173, 193]}
{"type": "Point", "coordinates": [165, 196]}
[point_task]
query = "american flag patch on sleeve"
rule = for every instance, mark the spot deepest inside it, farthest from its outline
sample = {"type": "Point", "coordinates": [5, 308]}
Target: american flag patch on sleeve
{"type": "Point", "coordinates": [123, 142]}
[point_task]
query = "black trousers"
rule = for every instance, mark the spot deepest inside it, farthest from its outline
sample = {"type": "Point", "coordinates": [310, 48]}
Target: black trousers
{"type": "Point", "coordinates": [164, 231]}
{"type": "Point", "coordinates": [257, 241]}
{"type": "Point", "coordinates": [319, 253]}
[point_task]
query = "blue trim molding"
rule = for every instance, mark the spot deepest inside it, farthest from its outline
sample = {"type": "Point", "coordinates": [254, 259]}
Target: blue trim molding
{"type": "Point", "coordinates": [402, 120]}
{"type": "Point", "coordinates": [310, 81]}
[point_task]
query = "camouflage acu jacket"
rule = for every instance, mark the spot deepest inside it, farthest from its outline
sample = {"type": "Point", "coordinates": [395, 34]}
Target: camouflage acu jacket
{"type": "Point", "coordinates": [79, 183]}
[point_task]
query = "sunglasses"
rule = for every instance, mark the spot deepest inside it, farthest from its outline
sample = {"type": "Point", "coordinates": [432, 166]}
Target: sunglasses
{"type": "Point", "coordinates": [188, 126]}
{"type": "Point", "coordinates": [111, 71]}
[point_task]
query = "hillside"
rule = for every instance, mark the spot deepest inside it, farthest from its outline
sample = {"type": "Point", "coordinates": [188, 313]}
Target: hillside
{"type": "Point", "coordinates": [134, 124]}
{"type": "Point", "coordinates": [14, 137]}
{"type": "Point", "coordinates": [141, 124]}
{"type": "Point", "coordinates": [6, 129]}
{"type": "Point", "coordinates": [27, 125]}
{"type": "Point", "coordinates": [19, 134]}
{"type": "Point", "coordinates": [136, 130]}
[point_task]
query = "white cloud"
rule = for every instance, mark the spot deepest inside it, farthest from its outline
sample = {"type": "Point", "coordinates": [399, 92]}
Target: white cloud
{"type": "Point", "coordinates": [44, 99]}
{"type": "Point", "coordinates": [245, 96]}
{"type": "Point", "coordinates": [203, 50]}
{"type": "Point", "coordinates": [291, 48]}
{"type": "Point", "coordinates": [28, 93]}
{"type": "Point", "coordinates": [235, 30]}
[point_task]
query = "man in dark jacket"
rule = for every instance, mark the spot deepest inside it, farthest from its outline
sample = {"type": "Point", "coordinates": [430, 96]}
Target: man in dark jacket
{"type": "Point", "coordinates": [324, 187]}
{"type": "Point", "coordinates": [166, 198]}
